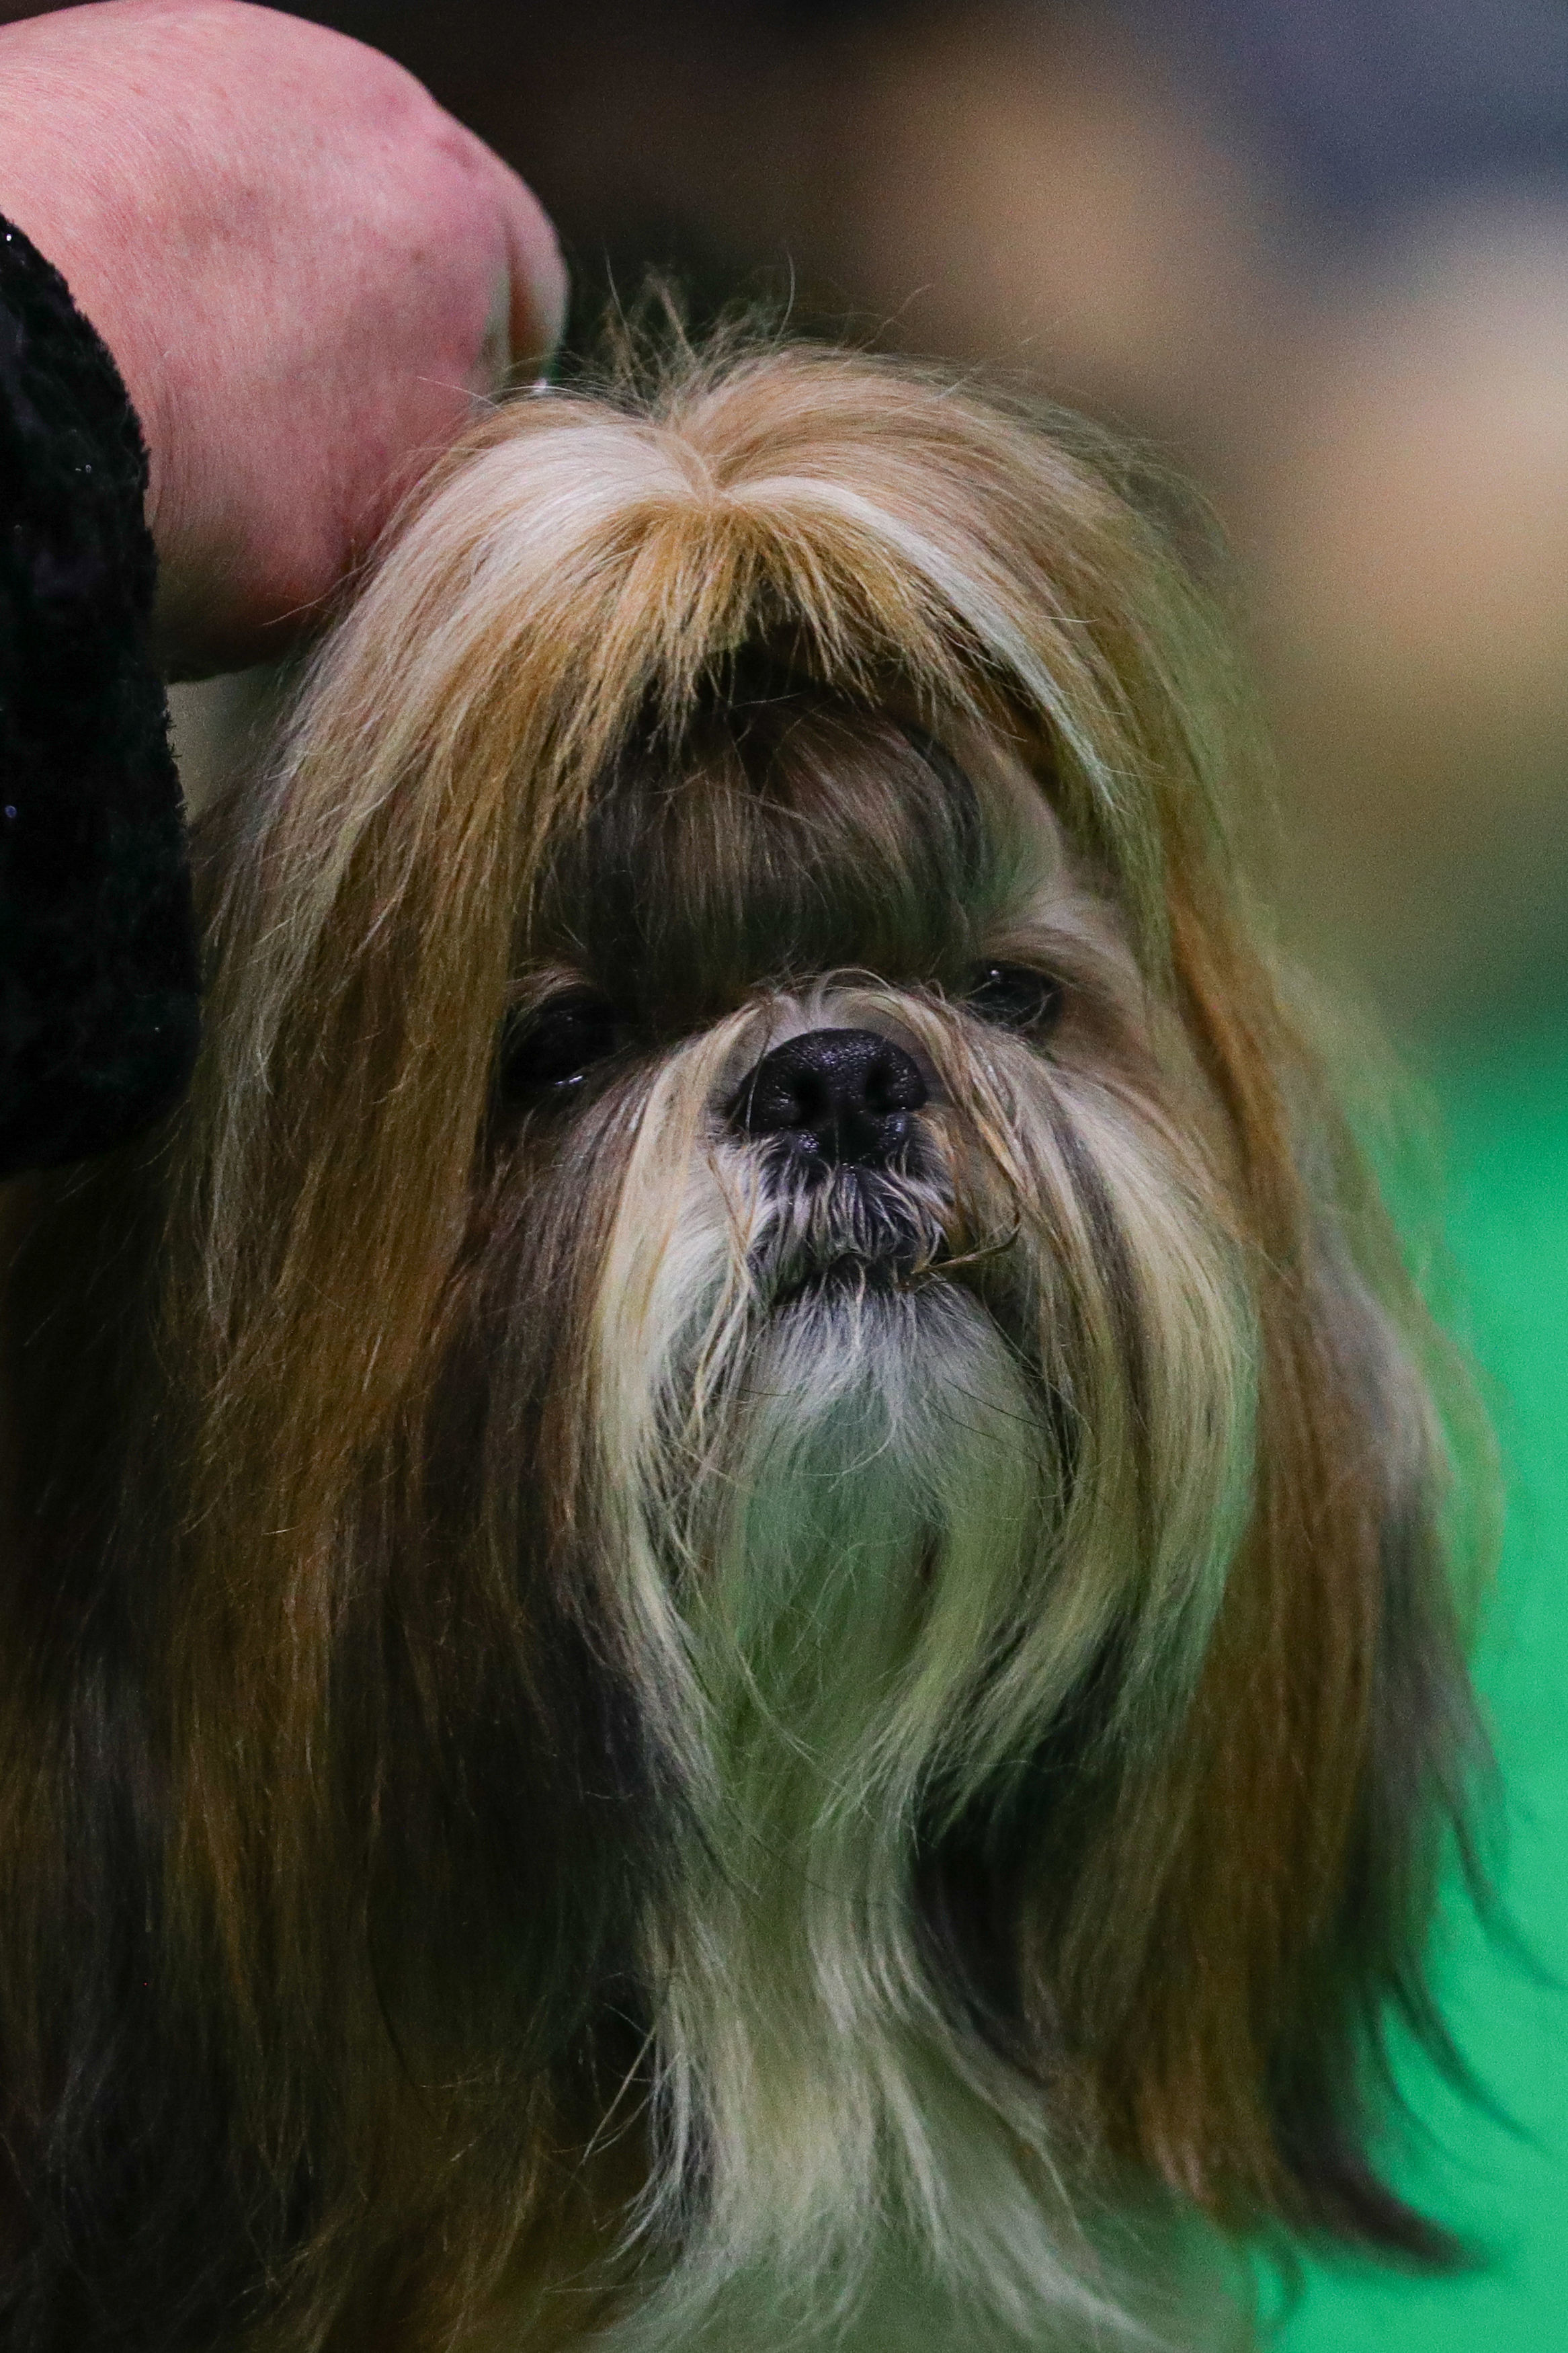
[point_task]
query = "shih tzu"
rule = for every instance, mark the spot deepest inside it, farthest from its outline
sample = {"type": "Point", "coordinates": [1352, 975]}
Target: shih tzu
{"type": "Point", "coordinates": [733, 1623]}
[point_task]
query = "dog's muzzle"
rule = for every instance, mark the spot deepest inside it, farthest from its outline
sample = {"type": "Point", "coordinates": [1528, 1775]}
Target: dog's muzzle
{"type": "Point", "coordinates": [837, 1115]}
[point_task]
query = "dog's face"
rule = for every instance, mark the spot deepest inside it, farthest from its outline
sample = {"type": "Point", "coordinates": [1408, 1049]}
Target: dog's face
{"type": "Point", "coordinates": [833, 1115]}
{"type": "Point", "coordinates": [820, 1517]}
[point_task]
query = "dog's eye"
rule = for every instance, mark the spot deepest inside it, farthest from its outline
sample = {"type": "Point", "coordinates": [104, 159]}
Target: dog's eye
{"type": "Point", "coordinates": [1014, 997]}
{"type": "Point", "coordinates": [556, 1045]}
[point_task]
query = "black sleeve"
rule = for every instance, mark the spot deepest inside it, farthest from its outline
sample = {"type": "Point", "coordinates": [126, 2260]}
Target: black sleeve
{"type": "Point", "coordinates": [99, 986]}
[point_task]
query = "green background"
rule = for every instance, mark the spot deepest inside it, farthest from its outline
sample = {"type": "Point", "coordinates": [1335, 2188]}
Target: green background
{"type": "Point", "coordinates": [1506, 1221]}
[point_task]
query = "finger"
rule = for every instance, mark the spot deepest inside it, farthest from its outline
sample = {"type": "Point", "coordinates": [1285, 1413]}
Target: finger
{"type": "Point", "coordinates": [491, 373]}
{"type": "Point", "coordinates": [538, 281]}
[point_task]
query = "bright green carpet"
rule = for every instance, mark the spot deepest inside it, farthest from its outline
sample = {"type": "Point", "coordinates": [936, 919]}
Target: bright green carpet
{"type": "Point", "coordinates": [1507, 1224]}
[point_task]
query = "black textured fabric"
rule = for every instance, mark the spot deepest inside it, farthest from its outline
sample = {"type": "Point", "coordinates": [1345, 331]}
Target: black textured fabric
{"type": "Point", "coordinates": [98, 988]}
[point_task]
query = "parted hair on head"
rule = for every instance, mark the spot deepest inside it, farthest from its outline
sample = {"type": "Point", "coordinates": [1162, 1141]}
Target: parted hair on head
{"type": "Point", "coordinates": [737, 1610]}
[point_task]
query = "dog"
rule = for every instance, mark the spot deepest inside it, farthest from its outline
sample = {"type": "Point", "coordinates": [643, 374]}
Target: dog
{"type": "Point", "coordinates": [735, 1618]}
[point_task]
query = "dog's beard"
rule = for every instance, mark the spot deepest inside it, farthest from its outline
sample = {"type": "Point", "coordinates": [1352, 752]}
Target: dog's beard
{"type": "Point", "coordinates": [889, 1480]}
{"type": "Point", "coordinates": [864, 1547]}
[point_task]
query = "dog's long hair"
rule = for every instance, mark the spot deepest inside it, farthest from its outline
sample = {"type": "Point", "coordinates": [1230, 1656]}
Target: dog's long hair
{"type": "Point", "coordinates": [601, 1737]}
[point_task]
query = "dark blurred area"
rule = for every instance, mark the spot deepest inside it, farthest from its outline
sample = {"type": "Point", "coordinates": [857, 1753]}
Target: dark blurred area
{"type": "Point", "coordinates": [1316, 250]}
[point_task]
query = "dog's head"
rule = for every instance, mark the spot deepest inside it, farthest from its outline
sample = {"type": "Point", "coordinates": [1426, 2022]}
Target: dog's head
{"type": "Point", "coordinates": [788, 1418]}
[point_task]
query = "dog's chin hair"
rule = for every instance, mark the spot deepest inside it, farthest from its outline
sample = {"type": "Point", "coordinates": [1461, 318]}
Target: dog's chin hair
{"type": "Point", "coordinates": [887, 1488]}
{"type": "Point", "coordinates": [860, 1572]}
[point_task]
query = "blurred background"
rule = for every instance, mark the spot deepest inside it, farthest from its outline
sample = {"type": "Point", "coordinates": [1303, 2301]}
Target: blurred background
{"type": "Point", "coordinates": [1316, 251]}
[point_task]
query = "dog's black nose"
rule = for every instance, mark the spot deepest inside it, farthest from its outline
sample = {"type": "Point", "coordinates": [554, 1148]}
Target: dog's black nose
{"type": "Point", "coordinates": [845, 1096]}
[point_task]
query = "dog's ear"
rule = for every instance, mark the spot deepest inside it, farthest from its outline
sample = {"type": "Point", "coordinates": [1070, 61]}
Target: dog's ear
{"type": "Point", "coordinates": [1256, 1907]}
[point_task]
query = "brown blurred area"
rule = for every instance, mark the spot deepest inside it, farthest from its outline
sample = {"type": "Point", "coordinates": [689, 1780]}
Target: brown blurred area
{"type": "Point", "coordinates": [1316, 252]}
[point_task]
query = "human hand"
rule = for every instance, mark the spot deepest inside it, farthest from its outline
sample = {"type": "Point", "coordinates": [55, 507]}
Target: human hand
{"type": "Point", "coordinates": [307, 273]}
